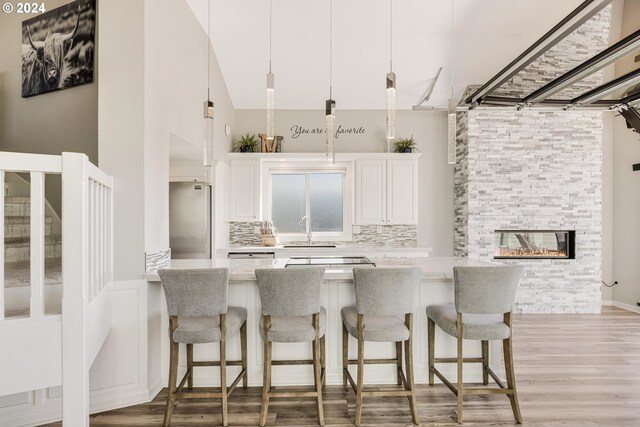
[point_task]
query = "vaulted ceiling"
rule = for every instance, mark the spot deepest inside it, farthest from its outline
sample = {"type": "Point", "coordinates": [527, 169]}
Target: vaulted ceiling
{"type": "Point", "coordinates": [488, 34]}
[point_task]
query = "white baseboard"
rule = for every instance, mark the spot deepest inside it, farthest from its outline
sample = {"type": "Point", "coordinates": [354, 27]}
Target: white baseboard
{"type": "Point", "coordinates": [628, 307]}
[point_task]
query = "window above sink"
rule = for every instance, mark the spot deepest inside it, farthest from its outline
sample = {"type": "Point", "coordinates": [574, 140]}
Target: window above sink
{"type": "Point", "coordinates": [319, 191]}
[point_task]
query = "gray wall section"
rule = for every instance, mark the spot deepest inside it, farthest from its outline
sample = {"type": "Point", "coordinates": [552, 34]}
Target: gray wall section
{"type": "Point", "coordinates": [626, 185]}
{"type": "Point", "coordinates": [51, 123]}
{"type": "Point", "coordinates": [435, 223]}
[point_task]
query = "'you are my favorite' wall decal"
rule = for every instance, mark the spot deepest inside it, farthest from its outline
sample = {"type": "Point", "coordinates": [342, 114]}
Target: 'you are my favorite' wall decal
{"type": "Point", "coordinates": [297, 131]}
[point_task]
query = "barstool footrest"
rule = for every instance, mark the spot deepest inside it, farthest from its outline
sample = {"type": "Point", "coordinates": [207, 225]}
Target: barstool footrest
{"type": "Point", "coordinates": [455, 360]}
{"type": "Point", "coordinates": [217, 363]}
{"type": "Point", "coordinates": [374, 361]}
{"type": "Point", "coordinates": [276, 394]}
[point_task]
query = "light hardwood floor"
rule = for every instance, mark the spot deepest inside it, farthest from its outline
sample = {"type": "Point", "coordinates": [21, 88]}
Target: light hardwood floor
{"type": "Point", "coordinates": [571, 370]}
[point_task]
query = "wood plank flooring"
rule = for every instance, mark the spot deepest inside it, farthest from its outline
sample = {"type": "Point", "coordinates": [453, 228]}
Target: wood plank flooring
{"type": "Point", "coordinates": [571, 370]}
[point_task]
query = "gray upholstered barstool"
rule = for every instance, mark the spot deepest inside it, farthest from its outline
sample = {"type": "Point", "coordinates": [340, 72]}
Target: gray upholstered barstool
{"type": "Point", "coordinates": [484, 298]}
{"type": "Point", "coordinates": [385, 299]}
{"type": "Point", "coordinates": [198, 313]}
{"type": "Point", "coordinates": [291, 312]}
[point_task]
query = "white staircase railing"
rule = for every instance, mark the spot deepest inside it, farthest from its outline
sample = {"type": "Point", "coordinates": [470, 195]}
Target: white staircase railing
{"type": "Point", "coordinates": [87, 273]}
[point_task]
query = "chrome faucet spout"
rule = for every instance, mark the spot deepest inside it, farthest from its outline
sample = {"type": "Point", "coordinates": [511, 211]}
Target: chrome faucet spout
{"type": "Point", "coordinates": [305, 222]}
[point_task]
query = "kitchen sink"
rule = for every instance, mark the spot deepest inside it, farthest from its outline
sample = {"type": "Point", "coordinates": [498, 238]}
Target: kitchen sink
{"type": "Point", "coordinates": [309, 246]}
{"type": "Point", "coordinates": [330, 261]}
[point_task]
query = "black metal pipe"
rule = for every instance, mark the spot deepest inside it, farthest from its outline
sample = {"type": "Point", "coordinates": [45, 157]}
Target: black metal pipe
{"type": "Point", "coordinates": [619, 82]}
{"type": "Point", "coordinates": [592, 62]}
{"type": "Point", "coordinates": [503, 75]}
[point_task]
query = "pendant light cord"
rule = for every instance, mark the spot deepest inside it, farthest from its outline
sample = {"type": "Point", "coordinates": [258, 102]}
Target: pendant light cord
{"type": "Point", "coordinates": [270, 26]}
{"type": "Point", "coordinates": [208, 50]}
{"type": "Point", "coordinates": [391, 36]}
{"type": "Point", "coordinates": [453, 44]}
{"type": "Point", "coordinates": [330, 49]}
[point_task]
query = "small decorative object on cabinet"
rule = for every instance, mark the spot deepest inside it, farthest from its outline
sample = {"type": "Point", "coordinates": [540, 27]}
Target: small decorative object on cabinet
{"type": "Point", "coordinates": [406, 145]}
{"type": "Point", "coordinates": [270, 145]}
{"type": "Point", "coordinates": [247, 144]}
{"type": "Point", "coordinates": [268, 234]}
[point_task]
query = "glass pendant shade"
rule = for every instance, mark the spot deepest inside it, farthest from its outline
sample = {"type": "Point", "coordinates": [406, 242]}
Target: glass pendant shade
{"type": "Point", "coordinates": [330, 129]}
{"type": "Point", "coordinates": [451, 132]}
{"type": "Point", "coordinates": [208, 133]}
{"type": "Point", "coordinates": [270, 107]}
{"type": "Point", "coordinates": [391, 109]}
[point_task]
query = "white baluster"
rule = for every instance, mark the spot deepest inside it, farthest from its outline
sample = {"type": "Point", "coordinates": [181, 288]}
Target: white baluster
{"type": "Point", "coordinates": [37, 244]}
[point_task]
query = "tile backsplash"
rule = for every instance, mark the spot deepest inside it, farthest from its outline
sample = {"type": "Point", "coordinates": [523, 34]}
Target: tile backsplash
{"type": "Point", "coordinates": [396, 236]}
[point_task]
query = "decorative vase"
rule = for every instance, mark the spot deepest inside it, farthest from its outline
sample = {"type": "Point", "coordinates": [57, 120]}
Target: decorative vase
{"type": "Point", "coordinates": [245, 149]}
{"type": "Point", "coordinates": [405, 150]}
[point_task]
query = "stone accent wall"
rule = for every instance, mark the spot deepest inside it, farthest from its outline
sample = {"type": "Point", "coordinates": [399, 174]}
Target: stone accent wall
{"type": "Point", "coordinates": [538, 171]}
{"type": "Point", "coordinates": [397, 236]}
{"type": "Point", "coordinates": [585, 42]}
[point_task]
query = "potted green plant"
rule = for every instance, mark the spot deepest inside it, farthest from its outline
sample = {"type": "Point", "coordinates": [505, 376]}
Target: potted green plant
{"type": "Point", "coordinates": [247, 144]}
{"type": "Point", "coordinates": [406, 145]}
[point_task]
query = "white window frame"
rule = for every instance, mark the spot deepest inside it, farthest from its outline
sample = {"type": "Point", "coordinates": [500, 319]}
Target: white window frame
{"type": "Point", "coordinates": [306, 168]}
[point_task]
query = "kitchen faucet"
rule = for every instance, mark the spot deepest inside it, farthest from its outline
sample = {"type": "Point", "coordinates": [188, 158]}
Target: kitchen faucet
{"type": "Point", "coordinates": [306, 223]}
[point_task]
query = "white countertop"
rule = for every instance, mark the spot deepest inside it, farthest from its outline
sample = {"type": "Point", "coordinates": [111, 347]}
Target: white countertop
{"type": "Point", "coordinates": [242, 270]}
{"type": "Point", "coordinates": [377, 251]}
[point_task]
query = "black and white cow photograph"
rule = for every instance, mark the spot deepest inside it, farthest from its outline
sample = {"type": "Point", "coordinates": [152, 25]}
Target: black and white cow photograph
{"type": "Point", "coordinates": [57, 48]}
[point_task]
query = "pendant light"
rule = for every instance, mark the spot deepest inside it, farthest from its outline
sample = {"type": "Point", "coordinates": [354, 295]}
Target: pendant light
{"type": "Point", "coordinates": [451, 116]}
{"type": "Point", "coordinates": [270, 89]}
{"type": "Point", "coordinates": [330, 104]}
{"type": "Point", "coordinates": [208, 104]}
{"type": "Point", "coordinates": [391, 86]}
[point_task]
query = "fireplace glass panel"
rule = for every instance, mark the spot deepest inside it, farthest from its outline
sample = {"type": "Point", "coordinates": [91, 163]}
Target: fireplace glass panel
{"type": "Point", "coordinates": [534, 244]}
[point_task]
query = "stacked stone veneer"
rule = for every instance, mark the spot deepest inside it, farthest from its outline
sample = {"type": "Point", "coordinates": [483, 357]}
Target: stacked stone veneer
{"type": "Point", "coordinates": [585, 42]}
{"type": "Point", "coordinates": [534, 171]}
{"type": "Point", "coordinates": [396, 236]}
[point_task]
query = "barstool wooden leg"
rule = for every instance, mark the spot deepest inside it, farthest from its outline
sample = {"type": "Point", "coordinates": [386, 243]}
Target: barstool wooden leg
{"type": "Point", "coordinates": [485, 362]}
{"type": "Point", "coordinates": [223, 368]}
{"type": "Point", "coordinates": [317, 379]}
{"type": "Point", "coordinates": [190, 366]}
{"type": "Point", "coordinates": [408, 350]}
{"type": "Point", "coordinates": [510, 373]}
{"type": "Point", "coordinates": [431, 334]}
{"type": "Point", "coordinates": [323, 360]}
{"type": "Point", "coordinates": [174, 351]}
{"type": "Point", "coordinates": [243, 347]}
{"type": "Point", "coordinates": [359, 385]}
{"type": "Point", "coordinates": [460, 386]}
{"type": "Point", "coordinates": [399, 361]}
{"type": "Point", "coordinates": [266, 379]}
{"type": "Point", "coordinates": [345, 354]}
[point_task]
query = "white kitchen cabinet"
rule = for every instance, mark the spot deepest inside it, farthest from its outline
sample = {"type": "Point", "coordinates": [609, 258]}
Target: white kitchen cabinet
{"type": "Point", "coordinates": [386, 192]}
{"type": "Point", "coordinates": [402, 192]}
{"type": "Point", "coordinates": [245, 190]}
{"type": "Point", "coordinates": [371, 192]}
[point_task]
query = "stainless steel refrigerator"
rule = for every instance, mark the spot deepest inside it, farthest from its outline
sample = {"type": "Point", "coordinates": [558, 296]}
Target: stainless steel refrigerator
{"type": "Point", "coordinates": [190, 220]}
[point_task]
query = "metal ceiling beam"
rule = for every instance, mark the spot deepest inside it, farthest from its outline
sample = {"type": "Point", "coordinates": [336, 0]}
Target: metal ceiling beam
{"type": "Point", "coordinates": [606, 89]}
{"type": "Point", "coordinates": [608, 56]}
{"type": "Point", "coordinates": [566, 26]}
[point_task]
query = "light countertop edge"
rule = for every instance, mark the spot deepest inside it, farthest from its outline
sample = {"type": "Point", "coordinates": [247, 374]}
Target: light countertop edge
{"type": "Point", "coordinates": [242, 270]}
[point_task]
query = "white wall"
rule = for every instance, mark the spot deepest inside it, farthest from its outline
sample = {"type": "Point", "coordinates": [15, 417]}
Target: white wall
{"type": "Point", "coordinates": [435, 224]}
{"type": "Point", "coordinates": [626, 186]}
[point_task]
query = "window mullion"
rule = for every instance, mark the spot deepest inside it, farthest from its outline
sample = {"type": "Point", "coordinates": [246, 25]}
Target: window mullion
{"type": "Point", "coordinates": [308, 196]}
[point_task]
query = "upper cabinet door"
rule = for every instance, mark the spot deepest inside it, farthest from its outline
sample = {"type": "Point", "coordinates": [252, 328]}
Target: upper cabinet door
{"type": "Point", "coordinates": [245, 191]}
{"type": "Point", "coordinates": [370, 192]}
{"type": "Point", "coordinates": [402, 192]}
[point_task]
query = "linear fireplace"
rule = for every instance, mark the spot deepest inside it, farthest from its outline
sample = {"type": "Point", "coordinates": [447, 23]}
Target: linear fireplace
{"type": "Point", "coordinates": [534, 244]}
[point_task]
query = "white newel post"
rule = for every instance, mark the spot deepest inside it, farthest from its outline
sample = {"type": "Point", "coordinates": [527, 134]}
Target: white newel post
{"type": "Point", "coordinates": [2, 250]}
{"type": "Point", "coordinates": [75, 366]}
